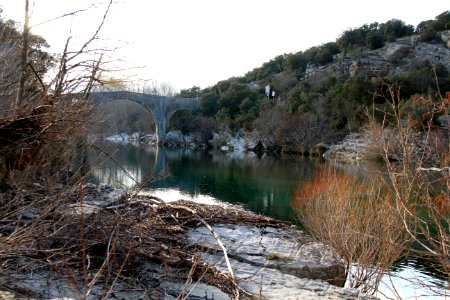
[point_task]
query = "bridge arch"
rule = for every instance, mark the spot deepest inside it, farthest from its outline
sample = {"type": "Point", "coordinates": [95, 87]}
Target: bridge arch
{"type": "Point", "coordinates": [161, 107]}
{"type": "Point", "coordinates": [122, 110]}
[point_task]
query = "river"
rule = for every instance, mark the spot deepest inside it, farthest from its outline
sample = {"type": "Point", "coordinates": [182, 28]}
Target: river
{"type": "Point", "coordinates": [264, 185]}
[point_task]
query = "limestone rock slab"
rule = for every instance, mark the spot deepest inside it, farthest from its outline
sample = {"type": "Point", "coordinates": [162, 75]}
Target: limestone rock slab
{"type": "Point", "coordinates": [276, 263]}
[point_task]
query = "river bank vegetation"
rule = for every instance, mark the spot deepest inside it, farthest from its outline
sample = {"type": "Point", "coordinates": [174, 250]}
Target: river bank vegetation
{"type": "Point", "coordinates": [43, 175]}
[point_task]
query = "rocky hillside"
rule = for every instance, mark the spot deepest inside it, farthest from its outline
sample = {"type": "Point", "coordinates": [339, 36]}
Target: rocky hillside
{"type": "Point", "coordinates": [395, 58]}
{"type": "Point", "coordinates": [298, 100]}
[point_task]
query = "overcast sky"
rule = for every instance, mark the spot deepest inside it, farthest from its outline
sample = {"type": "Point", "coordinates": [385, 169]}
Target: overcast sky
{"type": "Point", "coordinates": [199, 42]}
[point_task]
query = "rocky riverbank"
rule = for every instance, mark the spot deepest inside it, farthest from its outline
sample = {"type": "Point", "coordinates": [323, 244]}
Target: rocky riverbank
{"type": "Point", "coordinates": [224, 141]}
{"type": "Point", "coordinates": [352, 149]}
{"type": "Point", "coordinates": [163, 250]}
{"type": "Point", "coordinates": [427, 151]}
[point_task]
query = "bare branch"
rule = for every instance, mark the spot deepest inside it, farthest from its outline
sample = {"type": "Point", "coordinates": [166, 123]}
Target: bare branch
{"type": "Point", "coordinates": [24, 58]}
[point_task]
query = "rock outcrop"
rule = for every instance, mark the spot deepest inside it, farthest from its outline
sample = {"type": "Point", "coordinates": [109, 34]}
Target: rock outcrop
{"type": "Point", "coordinates": [175, 139]}
{"type": "Point", "coordinates": [392, 59]}
{"type": "Point", "coordinates": [426, 149]}
{"type": "Point", "coordinates": [352, 149]}
{"type": "Point", "coordinates": [240, 142]}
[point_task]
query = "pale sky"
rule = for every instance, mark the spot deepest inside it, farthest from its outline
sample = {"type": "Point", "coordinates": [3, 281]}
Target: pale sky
{"type": "Point", "coordinates": [200, 42]}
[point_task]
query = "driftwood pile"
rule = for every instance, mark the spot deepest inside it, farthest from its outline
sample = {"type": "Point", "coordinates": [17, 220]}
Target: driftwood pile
{"type": "Point", "coordinates": [109, 248]}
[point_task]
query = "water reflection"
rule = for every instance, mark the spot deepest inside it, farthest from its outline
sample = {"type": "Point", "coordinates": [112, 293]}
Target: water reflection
{"type": "Point", "coordinates": [263, 185]}
{"type": "Point", "coordinates": [406, 282]}
{"type": "Point", "coordinates": [121, 165]}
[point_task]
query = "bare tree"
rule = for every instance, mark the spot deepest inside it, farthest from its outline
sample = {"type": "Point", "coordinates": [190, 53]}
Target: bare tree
{"type": "Point", "coordinates": [24, 57]}
{"type": "Point", "coordinates": [266, 124]}
{"type": "Point", "coordinates": [156, 88]}
{"type": "Point", "coordinates": [421, 193]}
{"type": "Point", "coordinates": [39, 139]}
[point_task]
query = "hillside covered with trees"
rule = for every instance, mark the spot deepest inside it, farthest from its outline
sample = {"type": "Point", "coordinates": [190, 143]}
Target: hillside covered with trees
{"type": "Point", "coordinates": [325, 91]}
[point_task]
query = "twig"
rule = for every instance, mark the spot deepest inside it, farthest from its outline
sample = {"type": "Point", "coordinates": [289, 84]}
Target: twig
{"type": "Point", "coordinates": [118, 274]}
{"type": "Point", "coordinates": [188, 279]}
{"type": "Point", "coordinates": [94, 36]}
{"type": "Point", "coordinates": [133, 202]}
{"type": "Point", "coordinates": [73, 13]}
{"type": "Point", "coordinates": [38, 77]}
{"type": "Point", "coordinates": [83, 241]}
{"type": "Point", "coordinates": [105, 262]}
{"type": "Point", "coordinates": [109, 156]}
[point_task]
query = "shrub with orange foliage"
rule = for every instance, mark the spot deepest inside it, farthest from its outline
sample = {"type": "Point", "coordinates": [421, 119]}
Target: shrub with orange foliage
{"type": "Point", "coordinates": [357, 219]}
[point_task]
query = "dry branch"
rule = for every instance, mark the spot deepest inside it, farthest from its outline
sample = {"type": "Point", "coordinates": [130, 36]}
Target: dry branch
{"type": "Point", "coordinates": [23, 59]}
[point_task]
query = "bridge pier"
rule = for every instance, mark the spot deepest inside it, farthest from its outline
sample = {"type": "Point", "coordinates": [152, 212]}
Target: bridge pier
{"type": "Point", "coordinates": [161, 129]}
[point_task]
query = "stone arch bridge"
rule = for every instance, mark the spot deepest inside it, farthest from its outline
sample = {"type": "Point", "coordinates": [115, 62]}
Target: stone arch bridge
{"type": "Point", "coordinates": [161, 107]}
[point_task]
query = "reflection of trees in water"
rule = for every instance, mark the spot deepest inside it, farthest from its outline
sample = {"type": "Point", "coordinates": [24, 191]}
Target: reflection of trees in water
{"type": "Point", "coordinates": [263, 185]}
{"type": "Point", "coordinates": [126, 166]}
{"type": "Point", "coordinates": [118, 177]}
